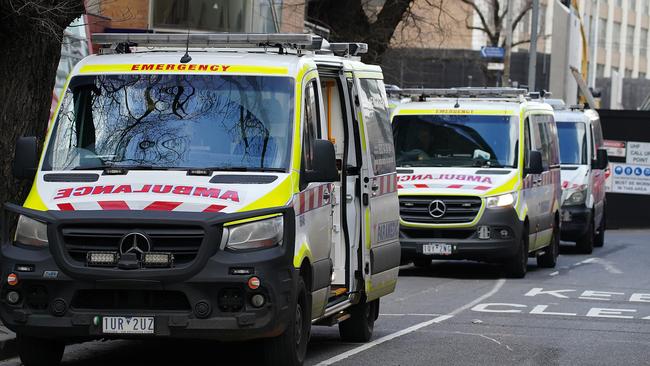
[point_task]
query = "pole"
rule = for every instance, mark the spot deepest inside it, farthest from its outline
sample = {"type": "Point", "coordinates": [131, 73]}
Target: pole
{"type": "Point", "coordinates": [508, 46]}
{"type": "Point", "coordinates": [532, 61]}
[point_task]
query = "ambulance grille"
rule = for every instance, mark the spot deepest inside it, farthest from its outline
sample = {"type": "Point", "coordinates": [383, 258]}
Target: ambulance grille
{"type": "Point", "coordinates": [459, 209]}
{"type": "Point", "coordinates": [182, 241]}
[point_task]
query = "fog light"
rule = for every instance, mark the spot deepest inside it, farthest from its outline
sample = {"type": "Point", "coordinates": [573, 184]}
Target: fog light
{"type": "Point", "coordinates": [258, 300]}
{"type": "Point", "coordinates": [157, 259]}
{"type": "Point", "coordinates": [13, 297]}
{"type": "Point", "coordinates": [12, 279]}
{"type": "Point", "coordinates": [484, 232]}
{"type": "Point", "coordinates": [102, 258]}
{"type": "Point", "coordinates": [505, 233]}
{"type": "Point", "coordinates": [58, 307]}
{"type": "Point", "coordinates": [253, 283]}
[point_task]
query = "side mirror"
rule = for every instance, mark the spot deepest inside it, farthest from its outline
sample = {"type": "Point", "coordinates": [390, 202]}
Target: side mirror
{"type": "Point", "coordinates": [25, 158]}
{"type": "Point", "coordinates": [324, 163]}
{"type": "Point", "coordinates": [601, 161]}
{"type": "Point", "coordinates": [535, 164]}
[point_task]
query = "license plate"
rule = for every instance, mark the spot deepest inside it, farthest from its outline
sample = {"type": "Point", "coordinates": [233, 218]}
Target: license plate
{"type": "Point", "coordinates": [128, 325]}
{"type": "Point", "coordinates": [437, 249]}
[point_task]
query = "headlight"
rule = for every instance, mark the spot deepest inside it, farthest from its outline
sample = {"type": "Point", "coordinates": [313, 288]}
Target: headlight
{"type": "Point", "coordinates": [256, 235]}
{"type": "Point", "coordinates": [504, 200]}
{"type": "Point", "coordinates": [576, 198]}
{"type": "Point", "coordinates": [31, 232]}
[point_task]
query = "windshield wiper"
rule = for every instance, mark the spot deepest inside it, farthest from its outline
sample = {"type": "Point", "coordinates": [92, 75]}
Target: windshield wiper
{"type": "Point", "coordinates": [124, 168]}
{"type": "Point", "coordinates": [243, 169]}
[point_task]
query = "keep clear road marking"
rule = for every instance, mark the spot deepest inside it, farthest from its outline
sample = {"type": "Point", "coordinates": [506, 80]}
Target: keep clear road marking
{"type": "Point", "coordinates": [411, 329]}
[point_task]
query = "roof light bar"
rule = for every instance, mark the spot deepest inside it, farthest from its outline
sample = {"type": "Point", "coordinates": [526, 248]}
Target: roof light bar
{"type": "Point", "coordinates": [304, 41]}
{"type": "Point", "coordinates": [466, 92]}
{"type": "Point", "coordinates": [351, 49]}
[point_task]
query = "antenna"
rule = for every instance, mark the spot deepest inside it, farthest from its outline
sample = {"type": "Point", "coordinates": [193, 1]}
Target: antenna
{"type": "Point", "coordinates": [186, 57]}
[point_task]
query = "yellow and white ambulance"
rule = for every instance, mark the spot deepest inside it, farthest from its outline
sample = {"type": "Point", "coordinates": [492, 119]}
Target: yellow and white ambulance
{"type": "Point", "coordinates": [478, 177]}
{"type": "Point", "coordinates": [241, 188]}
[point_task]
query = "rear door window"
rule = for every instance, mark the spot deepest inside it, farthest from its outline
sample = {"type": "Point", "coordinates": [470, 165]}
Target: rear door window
{"type": "Point", "coordinates": [376, 118]}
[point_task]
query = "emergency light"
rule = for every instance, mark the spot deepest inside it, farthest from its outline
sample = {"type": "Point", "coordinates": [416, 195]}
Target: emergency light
{"type": "Point", "coordinates": [204, 40]}
{"type": "Point", "coordinates": [465, 92]}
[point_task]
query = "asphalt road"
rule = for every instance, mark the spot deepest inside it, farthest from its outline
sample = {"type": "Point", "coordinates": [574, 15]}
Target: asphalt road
{"type": "Point", "coordinates": [590, 310]}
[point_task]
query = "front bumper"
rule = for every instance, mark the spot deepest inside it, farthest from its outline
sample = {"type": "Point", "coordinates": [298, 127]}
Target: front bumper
{"type": "Point", "coordinates": [177, 298]}
{"type": "Point", "coordinates": [575, 222]}
{"type": "Point", "coordinates": [465, 242]}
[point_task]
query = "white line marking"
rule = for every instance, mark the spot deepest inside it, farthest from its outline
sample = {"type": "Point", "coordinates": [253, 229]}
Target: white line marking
{"type": "Point", "coordinates": [411, 329]}
{"type": "Point", "coordinates": [555, 273]}
{"type": "Point", "coordinates": [488, 338]}
{"type": "Point", "coordinates": [411, 314]}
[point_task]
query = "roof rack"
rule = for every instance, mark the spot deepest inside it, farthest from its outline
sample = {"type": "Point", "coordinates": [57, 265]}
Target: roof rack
{"type": "Point", "coordinates": [122, 41]}
{"type": "Point", "coordinates": [505, 93]}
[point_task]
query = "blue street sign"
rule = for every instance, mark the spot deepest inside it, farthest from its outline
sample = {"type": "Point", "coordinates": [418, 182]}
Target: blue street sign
{"type": "Point", "coordinates": [493, 52]}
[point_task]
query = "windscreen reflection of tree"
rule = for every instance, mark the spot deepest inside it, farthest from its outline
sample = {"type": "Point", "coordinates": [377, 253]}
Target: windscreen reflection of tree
{"type": "Point", "coordinates": [145, 113]}
{"type": "Point", "coordinates": [472, 137]}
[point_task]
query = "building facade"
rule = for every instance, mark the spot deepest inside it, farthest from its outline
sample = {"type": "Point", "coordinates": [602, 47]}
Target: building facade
{"type": "Point", "coordinates": [253, 16]}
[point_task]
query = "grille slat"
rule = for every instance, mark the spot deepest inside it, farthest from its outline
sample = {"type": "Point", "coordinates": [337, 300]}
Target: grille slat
{"type": "Point", "coordinates": [459, 209]}
{"type": "Point", "coordinates": [183, 242]}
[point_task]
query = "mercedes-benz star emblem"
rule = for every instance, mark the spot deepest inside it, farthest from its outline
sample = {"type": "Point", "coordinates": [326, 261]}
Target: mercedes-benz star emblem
{"type": "Point", "coordinates": [135, 242]}
{"type": "Point", "coordinates": [437, 209]}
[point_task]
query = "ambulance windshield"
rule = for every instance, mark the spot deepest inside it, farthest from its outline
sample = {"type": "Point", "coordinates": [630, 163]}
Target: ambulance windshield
{"type": "Point", "coordinates": [456, 141]}
{"type": "Point", "coordinates": [573, 142]}
{"type": "Point", "coordinates": [173, 122]}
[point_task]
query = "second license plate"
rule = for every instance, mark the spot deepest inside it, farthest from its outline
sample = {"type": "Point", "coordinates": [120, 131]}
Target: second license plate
{"type": "Point", "coordinates": [437, 249]}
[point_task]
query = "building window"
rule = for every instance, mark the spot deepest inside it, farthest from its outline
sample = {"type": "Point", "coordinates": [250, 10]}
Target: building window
{"type": "Point", "coordinates": [217, 15]}
{"type": "Point", "coordinates": [642, 75]}
{"type": "Point", "coordinates": [632, 5]}
{"type": "Point", "coordinates": [644, 41]}
{"type": "Point", "coordinates": [616, 34]}
{"type": "Point", "coordinates": [602, 32]}
{"type": "Point", "coordinates": [628, 73]}
{"type": "Point", "coordinates": [600, 70]}
{"type": "Point", "coordinates": [629, 38]}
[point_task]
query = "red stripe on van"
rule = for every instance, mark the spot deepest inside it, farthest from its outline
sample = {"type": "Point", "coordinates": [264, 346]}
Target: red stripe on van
{"type": "Point", "coordinates": [162, 206]}
{"type": "Point", "coordinates": [421, 186]}
{"type": "Point", "coordinates": [65, 207]}
{"type": "Point", "coordinates": [214, 208]}
{"type": "Point", "coordinates": [455, 186]}
{"type": "Point", "coordinates": [113, 205]}
{"type": "Point", "coordinates": [482, 188]}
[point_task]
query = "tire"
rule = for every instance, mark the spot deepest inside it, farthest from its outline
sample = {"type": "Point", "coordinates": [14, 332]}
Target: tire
{"type": "Point", "coordinates": [552, 251]}
{"type": "Point", "coordinates": [517, 266]}
{"type": "Point", "coordinates": [39, 352]}
{"type": "Point", "coordinates": [422, 262]}
{"type": "Point", "coordinates": [290, 347]}
{"type": "Point", "coordinates": [361, 323]}
{"type": "Point", "coordinates": [585, 244]}
{"type": "Point", "coordinates": [599, 240]}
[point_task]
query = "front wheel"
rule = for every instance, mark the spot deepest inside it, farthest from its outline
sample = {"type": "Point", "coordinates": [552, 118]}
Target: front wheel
{"type": "Point", "coordinates": [361, 324]}
{"type": "Point", "coordinates": [290, 347]}
{"type": "Point", "coordinates": [551, 252]}
{"type": "Point", "coordinates": [517, 266]}
{"type": "Point", "coordinates": [39, 352]}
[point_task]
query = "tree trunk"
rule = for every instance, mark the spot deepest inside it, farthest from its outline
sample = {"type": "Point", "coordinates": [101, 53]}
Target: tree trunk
{"type": "Point", "coordinates": [30, 40]}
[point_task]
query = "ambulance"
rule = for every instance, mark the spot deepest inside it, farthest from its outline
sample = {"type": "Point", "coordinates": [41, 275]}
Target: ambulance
{"type": "Point", "coordinates": [478, 177]}
{"type": "Point", "coordinates": [583, 161]}
{"type": "Point", "coordinates": [227, 187]}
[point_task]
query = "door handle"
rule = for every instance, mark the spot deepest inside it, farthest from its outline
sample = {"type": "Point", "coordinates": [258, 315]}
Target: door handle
{"type": "Point", "coordinates": [374, 188]}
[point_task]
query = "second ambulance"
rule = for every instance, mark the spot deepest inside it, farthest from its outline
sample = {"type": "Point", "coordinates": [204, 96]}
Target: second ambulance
{"type": "Point", "coordinates": [479, 177]}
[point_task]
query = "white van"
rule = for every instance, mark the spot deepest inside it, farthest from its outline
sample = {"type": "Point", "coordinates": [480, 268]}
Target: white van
{"type": "Point", "coordinates": [583, 162]}
{"type": "Point", "coordinates": [221, 193]}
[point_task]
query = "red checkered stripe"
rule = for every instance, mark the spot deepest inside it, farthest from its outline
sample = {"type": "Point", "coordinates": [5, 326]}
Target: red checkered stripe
{"type": "Point", "coordinates": [153, 206]}
{"type": "Point", "coordinates": [551, 177]}
{"type": "Point", "coordinates": [387, 184]}
{"type": "Point", "coordinates": [312, 198]}
{"type": "Point", "coordinates": [440, 186]}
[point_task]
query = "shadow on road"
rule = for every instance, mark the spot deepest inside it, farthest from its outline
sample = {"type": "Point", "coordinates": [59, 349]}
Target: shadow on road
{"type": "Point", "coordinates": [467, 270]}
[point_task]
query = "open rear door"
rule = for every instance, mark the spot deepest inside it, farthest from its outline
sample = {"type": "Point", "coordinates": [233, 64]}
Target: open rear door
{"type": "Point", "coordinates": [380, 246]}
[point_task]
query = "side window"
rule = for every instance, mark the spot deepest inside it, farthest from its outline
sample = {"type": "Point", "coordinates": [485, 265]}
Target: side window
{"type": "Point", "coordinates": [527, 141]}
{"type": "Point", "coordinates": [376, 118]}
{"type": "Point", "coordinates": [541, 140]}
{"type": "Point", "coordinates": [554, 143]}
{"type": "Point", "coordinates": [311, 119]}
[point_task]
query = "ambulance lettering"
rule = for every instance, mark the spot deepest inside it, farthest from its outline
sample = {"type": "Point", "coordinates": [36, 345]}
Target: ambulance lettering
{"type": "Point", "coordinates": [461, 177]}
{"type": "Point", "coordinates": [179, 67]}
{"type": "Point", "coordinates": [216, 193]}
